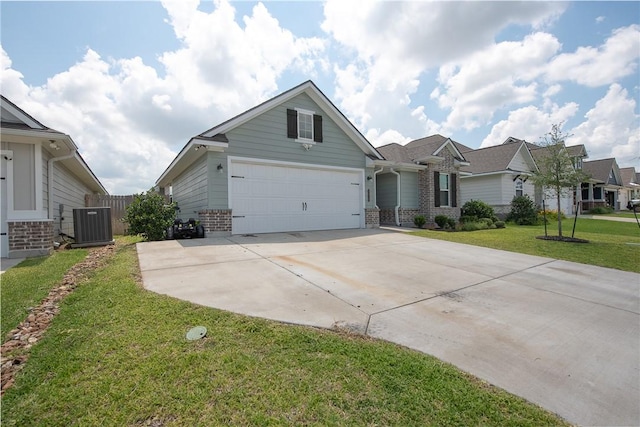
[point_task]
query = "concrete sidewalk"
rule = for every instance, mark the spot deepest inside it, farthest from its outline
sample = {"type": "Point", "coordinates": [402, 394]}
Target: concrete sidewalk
{"type": "Point", "coordinates": [609, 218]}
{"type": "Point", "coordinates": [563, 335]}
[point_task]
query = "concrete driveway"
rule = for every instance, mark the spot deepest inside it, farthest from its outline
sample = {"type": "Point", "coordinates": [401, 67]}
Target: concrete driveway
{"type": "Point", "coordinates": [563, 335]}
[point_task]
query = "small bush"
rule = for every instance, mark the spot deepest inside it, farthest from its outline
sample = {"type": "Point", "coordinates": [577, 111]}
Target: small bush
{"type": "Point", "coordinates": [473, 226]}
{"type": "Point", "coordinates": [523, 211]}
{"type": "Point", "coordinates": [599, 210]}
{"type": "Point", "coordinates": [550, 215]}
{"type": "Point", "coordinates": [441, 220]}
{"type": "Point", "coordinates": [474, 210]}
{"type": "Point", "coordinates": [149, 215]}
{"type": "Point", "coordinates": [487, 221]}
{"type": "Point", "coordinates": [499, 224]}
{"type": "Point", "coordinates": [419, 221]}
{"type": "Point", "coordinates": [451, 223]}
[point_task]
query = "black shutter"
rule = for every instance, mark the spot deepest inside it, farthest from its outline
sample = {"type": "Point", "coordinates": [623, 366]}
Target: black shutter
{"type": "Point", "coordinates": [317, 128]}
{"type": "Point", "coordinates": [292, 123]}
{"type": "Point", "coordinates": [436, 188]}
{"type": "Point", "coordinates": [454, 195]}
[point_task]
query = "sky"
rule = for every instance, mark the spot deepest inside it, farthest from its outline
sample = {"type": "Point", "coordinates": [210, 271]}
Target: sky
{"type": "Point", "coordinates": [131, 82]}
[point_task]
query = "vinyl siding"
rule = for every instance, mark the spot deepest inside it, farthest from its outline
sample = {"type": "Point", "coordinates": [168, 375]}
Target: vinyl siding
{"type": "Point", "coordinates": [190, 189]}
{"type": "Point", "coordinates": [69, 191]}
{"type": "Point", "coordinates": [386, 189]}
{"type": "Point", "coordinates": [409, 190]}
{"type": "Point", "coordinates": [45, 180]}
{"type": "Point", "coordinates": [265, 137]}
{"type": "Point", "coordinates": [519, 162]}
{"type": "Point", "coordinates": [485, 188]}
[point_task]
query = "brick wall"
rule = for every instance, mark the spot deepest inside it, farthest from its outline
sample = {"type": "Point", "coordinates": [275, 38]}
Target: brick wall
{"type": "Point", "coordinates": [372, 217]}
{"type": "Point", "coordinates": [387, 217]}
{"type": "Point", "coordinates": [215, 220]}
{"type": "Point", "coordinates": [426, 195]}
{"type": "Point", "coordinates": [406, 216]}
{"type": "Point", "coordinates": [30, 238]}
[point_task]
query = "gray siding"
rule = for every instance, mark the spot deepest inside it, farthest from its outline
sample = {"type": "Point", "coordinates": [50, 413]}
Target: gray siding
{"type": "Point", "coordinates": [190, 189]}
{"type": "Point", "coordinates": [386, 189]}
{"type": "Point", "coordinates": [409, 190]}
{"type": "Point", "coordinates": [519, 163]}
{"type": "Point", "coordinates": [45, 180]}
{"type": "Point", "coordinates": [485, 188]}
{"type": "Point", "coordinates": [69, 191]}
{"type": "Point", "coordinates": [265, 137]}
{"type": "Point", "coordinates": [24, 197]}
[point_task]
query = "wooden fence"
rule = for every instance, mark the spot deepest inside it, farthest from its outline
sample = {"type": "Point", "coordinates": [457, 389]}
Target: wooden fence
{"type": "Point", "coordinates": [118, 205]}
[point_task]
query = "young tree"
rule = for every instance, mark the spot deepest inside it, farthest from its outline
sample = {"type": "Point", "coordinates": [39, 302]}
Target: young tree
{"type": "Point", "coordinates": [556, 171]}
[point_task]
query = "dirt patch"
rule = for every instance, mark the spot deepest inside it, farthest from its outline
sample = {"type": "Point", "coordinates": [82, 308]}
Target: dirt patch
{"type": "Point", "coordinates": [562, 239]}
{"type": "Point", "coordinates": [15, 352]}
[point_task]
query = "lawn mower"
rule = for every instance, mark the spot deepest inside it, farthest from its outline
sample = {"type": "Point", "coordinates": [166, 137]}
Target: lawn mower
{"type": "Point", "coordinates": [185, 230]}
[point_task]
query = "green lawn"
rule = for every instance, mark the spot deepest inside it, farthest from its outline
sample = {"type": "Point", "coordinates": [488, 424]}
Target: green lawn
{"type": "Point", "coordinates": [117, 355]}
{"type": "Point", "coordinates": [611, 244]}
{"type": "Point", "coordinates": [26, 285]}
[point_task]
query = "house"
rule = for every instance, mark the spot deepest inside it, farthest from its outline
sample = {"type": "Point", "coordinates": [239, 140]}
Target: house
{"type": "Point", "coordinates": [419, 178]}
{"type": "Point", "coordinates": [292, 163]}
{"type": "Point", "coordinates": [603, 186]}
{"type": "Point", "coordinates": [497, 174]}
{"type": "Point", "coordinates": [631, 183]}
{"type": "Point", "coordinates": [43, 179]}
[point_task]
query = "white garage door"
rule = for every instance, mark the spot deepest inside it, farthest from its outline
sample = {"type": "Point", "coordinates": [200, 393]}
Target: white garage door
{"type": "Point", "coordinates": [267, 198]}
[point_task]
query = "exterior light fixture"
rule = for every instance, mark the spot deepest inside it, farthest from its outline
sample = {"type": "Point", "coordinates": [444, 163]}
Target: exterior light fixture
{"type": "Point", "coordinates": [200, 146]}
{"type": "Point", "coordinates": [220, 168]}
{"type": "Point", "coordinates": [53, 144]}
{"type": "Point", "coordinates": [369, 178]}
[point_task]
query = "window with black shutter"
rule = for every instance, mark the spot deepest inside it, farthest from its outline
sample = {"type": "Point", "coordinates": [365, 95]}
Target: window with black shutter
{"type": "Point", "coordinates": [304, 126]}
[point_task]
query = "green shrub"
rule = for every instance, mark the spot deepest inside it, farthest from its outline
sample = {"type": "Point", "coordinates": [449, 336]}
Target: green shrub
{"type": "Point", "coordinates": [499, 224]}
{"type": "Point", "coordinates": [523, 211]}
{"type": "Point", "coordinates": [451, 223]}
{"type": "Point", "coordinates": [149, 215]}
{"type": "Point", "coordinates": [473, 226]}
{"type": "Point", "coordinates": [441, 220]}
{"type": "Point", "coordinates": [599, 210]}
{"type": "Point", "coordinates": [419, 221]}
{"type": "Point", "coordinates": [487, 221]}
{"type": "Point", "coordinates": [474, 210]}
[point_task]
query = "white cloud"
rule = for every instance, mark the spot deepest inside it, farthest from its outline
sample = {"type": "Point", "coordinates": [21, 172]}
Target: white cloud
{"type": "Point", "coordinates": [529, 123]}
{"type": "Point", "coordinates": [129, 122]}
{"type": "Point", "coordinates": [396, 42]}
{"type": "Point", "coordinates": [603, 65]}
{"type": "Point", "coordinates": [600, 19]}
{"type": "Point", "coordinates": [611, 129]}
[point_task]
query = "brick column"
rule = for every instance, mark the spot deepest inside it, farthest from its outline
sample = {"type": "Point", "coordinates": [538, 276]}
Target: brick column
{"type": "Point", "coordinates": [30, 238]}
{"type": "Point", "coordinates": [216, 221]}
{"type": "Point", "coordinates": [372, 218]}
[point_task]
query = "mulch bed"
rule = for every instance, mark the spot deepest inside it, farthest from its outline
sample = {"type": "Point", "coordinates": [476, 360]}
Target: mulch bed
{"type": "Point", "coordinates": [562, 239]}
{"type": "Point", "coordinates": [15, 351]}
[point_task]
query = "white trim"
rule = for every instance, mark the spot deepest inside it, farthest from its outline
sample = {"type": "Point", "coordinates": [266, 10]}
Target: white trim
{"type": "Point", "coordinates": [9, 181]}
{"type": "Point", "coordinates": [22, 116]}
{"type": "Point", "coordinates": [250, 160]}
{"type": "Point", "coordinates": [306, 113]}
{"type": "Point", "coordinates": [450, 143]}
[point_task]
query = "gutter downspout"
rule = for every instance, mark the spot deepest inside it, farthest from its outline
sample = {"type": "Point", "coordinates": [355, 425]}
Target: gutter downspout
{"type": "Point", "coordinates": [398, 197]}
{"type": "Point", "coordinates": [375, 189]}
{"type": "Point", "coordinates": [50, 180]}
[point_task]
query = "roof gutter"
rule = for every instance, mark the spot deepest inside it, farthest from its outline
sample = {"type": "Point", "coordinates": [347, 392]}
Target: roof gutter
{"type": "Point", "coordinates": [375, 183]}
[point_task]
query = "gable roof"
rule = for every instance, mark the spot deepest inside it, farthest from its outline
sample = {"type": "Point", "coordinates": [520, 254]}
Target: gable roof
{"type": "Point", "coordinates": [214, 138]}
{"type": "Point", "coordinates": [629, 176]}
{"type": "Point", "coordinates": [423, 150]}
{"type": "Point", "coordinates": [599, 170]}
{"type": "Point", "coordinates": [496, 158]}
{"type": "Point", "coordinates": [16, 123]}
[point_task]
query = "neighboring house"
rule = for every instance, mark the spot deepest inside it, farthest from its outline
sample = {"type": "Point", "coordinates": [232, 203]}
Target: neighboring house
{"type": "Point", "coordinates": [631, 183]}
{"type": "Point", "coordinates": [292, 163]}
{"type": "Point", "coordinates": [603, 186]}
{"type": "Point", "coordinates": [419, 178]}
{"type": "Point", "coordinates": [43, 179]}
{"type": "Point", "coordinates": [497, 174]}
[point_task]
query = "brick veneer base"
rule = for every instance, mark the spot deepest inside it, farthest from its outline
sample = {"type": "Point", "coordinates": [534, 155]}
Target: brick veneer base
{"type": "Point", "coordinates": [372, 217]}
{"type": "Point", "coordinates": [30, 238]}
{"type": "Point", "coordinates": [216, 220]}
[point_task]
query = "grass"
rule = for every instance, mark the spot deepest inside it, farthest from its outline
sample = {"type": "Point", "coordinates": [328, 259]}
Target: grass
{"type": "Point", "coordinates": [609, 242]}
{"type": "Point", "coordinates": [26, 285]}
{"type": "Point", "coordinates": [117, 355]}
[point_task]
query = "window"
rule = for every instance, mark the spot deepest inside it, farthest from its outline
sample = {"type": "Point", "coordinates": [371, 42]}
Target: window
{"type": "Point", "coordinates": [304, 125]}
{"type": "Point", "coordinates": [444, 186]}
{"type": "Point", "coordinates": [444, 189]}
{"type": "Point", "coordinates": [519, 188]}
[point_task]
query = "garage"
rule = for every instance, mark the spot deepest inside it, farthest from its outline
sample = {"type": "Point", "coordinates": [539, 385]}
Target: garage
{"type": "Point", "coordinates": [268, 197]}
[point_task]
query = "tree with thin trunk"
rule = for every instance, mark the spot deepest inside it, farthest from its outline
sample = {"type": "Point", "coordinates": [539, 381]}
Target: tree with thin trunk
{"type": "Point", "coordinates": [556, 171]}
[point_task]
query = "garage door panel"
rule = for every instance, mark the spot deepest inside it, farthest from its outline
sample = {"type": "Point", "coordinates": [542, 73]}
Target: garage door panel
{"type": "Point", "coordinates": [277, 198]}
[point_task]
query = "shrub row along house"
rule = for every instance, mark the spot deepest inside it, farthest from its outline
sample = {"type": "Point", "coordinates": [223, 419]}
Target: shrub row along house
{"type": "Point", "coordinates": [44, 178]}
{"type": "Point", "coordinates": [296, 163]}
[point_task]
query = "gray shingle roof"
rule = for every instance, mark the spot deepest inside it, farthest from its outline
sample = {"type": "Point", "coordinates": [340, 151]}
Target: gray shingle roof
{"type": "Point", "coordinates": [395, 152]}
{"type": "Point", "coordinates": [491, 159]}
{"type": "Point", "coordinates": [418, 149]}
{"type": "Point", "coordinates": [599, 170]}
{"type": "Point", "coordinates": [629, 176]}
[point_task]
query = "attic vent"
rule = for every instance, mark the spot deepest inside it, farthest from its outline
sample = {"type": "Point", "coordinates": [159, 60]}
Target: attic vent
{"type": "Point", "coordinates": [92, 227]}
